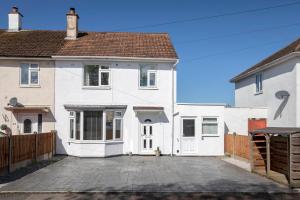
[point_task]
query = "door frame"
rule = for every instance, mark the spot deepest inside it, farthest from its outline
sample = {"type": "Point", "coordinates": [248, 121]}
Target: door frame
{"type": "Point", "coordinates": [152, 137]}
{"type": "Point", "coordinates": [34, 121]}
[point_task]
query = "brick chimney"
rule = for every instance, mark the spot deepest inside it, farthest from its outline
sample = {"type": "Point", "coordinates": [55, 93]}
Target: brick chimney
{"type": "Point", "coordinates": [72, 24]}
{"type": "Point", "coordinates": [14, 20]}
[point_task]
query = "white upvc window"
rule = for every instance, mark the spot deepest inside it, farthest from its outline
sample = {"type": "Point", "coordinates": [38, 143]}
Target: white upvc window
{"type": "Point", "coordinates": [210, 126]}
{"type": "Point", "coordinates": [259, 83]}
{"type": "Point", "coordinates": [147, 76]}
{"type": "Point", "coordinates": [29, 74]}
{"type": "Point", "coordinates": [103, 125]}
{"type": "Point", "coordinates": [98, 76]}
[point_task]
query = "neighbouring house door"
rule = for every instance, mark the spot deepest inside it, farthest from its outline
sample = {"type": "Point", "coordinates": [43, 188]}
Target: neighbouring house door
{"type": "Point", "coordinates": [147, 139]}
{"type": "Point", "coordinates": [28, 123]}
{"type": "Point", "coordinates": [188, 137]}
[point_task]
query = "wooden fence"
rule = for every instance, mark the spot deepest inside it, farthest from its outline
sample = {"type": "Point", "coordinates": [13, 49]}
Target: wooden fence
{"type": "Point", "coordinates": [237, 145]}
{"type": "Point", "coordinates": [18, 148]}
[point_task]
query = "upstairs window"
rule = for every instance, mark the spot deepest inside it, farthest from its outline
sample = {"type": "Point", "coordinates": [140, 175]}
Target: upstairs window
{"type": "Point", "coordinates": [148, 76]}
{"type": "Point", "coordinates": [29, 74]}
{"type": "Point", "coordinates": [96, 75]}
{"type": "Point", "coordinates": [258, 85]}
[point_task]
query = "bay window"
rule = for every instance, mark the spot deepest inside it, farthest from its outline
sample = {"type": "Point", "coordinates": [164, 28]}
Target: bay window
{"type": "Point", "coordinates": [96, 76]}
{"type": "Point", "coordinates": [96, 125]}
{"type": "Point", "coordinates": [29, 74]}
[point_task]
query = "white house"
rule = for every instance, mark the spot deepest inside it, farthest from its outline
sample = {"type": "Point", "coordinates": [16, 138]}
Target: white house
{"type": "Point", "coordinates": [273, 83]}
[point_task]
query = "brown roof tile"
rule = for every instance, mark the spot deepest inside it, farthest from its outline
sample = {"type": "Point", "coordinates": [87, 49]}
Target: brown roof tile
{"type": "Point", "coordinates": [293, 47]}
{"type": "Point", "coordinates": [118, 44]}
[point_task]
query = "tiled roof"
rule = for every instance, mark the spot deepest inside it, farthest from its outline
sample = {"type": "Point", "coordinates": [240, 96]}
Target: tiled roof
{"type": "Point", "coordinates": [115, 44]}
{"type": "Point", "coordinates": [293, 47]}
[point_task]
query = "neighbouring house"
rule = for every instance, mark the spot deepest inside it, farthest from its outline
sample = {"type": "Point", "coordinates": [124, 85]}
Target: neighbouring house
{"type": "Point", "coordinates": [273, 83]}
{"type": "Point", "coordinates": [105, 93]}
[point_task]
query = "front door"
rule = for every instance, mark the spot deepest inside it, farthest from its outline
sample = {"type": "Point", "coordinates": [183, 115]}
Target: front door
{"type": "Point", "coordinates": [188, 137]}
{"type": "Point", "coordinates": [28, 123]}
{"type": "Point", "coordinates": [147, 139]}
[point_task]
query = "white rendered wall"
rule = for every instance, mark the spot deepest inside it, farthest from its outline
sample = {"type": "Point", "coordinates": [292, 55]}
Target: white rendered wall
{"type": "Point", "coordinates": [277, 78]}
{"type": "Point", "coordinates": [236, 118]}
{"type": "Point", "coordinates": [124, 91]}
{"type": "Point", "coordinates": [206, 145]}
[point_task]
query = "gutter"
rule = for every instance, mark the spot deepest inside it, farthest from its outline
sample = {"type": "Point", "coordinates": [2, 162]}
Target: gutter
{"type": "Point", "coordinates": [173, 106]}
{"type": "Point", "coordinates": [266, 66]}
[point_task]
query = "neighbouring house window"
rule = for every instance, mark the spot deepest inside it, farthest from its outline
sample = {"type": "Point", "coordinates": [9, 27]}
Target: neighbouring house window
{"type": "Point", "coordinates": [96, 75]}
{"type": "Point", "coordinates": [188, 127]}
{"type": "Point", "coordinates": [148, 76]}
{"type": "Point", "coordinates": [259, 86]}
{"type": "Point", "coordinates": [40, 123]}
{"type": "Point", "coordinates": [93, 124]}
{"type": "Point", "coordinates": [29, 74]}
{"type": "Point", "coordinates": [209, 126]}
{"type": "Point", "coordinates": [27, 126]}
{"type": "Point", "coordinates": [92, 127]}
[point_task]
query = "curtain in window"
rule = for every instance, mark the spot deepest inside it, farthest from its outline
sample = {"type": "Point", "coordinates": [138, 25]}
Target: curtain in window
{"type": "Point", "coordinates": [92, 129]}
{"type": "Point", "coordinates": [210, 129]}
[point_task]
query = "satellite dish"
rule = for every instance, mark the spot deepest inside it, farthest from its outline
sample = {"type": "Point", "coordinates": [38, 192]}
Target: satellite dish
{"type": "Point", "coordinates": [13, 102]}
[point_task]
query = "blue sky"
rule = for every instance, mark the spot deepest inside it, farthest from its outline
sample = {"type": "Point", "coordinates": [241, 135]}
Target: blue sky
{"type": "Point", "coordinates": [211, 51]}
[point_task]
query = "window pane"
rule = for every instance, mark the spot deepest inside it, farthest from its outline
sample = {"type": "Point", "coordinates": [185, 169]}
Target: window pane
{"type": "Point", "coordinates": [92, 129]}
{"type": "Point", "coordinates": [27, 126]}
{"type": "Point", "coordinates": [109, 125]}
{"type": "Point", "coordinates": [260, 82]}
{"type": "Point", "coordinates": [188, 128]}
{"type": "Point", "coordinates": [91, 75]}
{"type": "Point", "coordinates": [24, 73]}
{"type": "Point", "coordinates": [118, 128]}
{"type": "Point", "coordinates": [143, 76]}
{"type": "Point", "coordinates": [40, 123]}
{"type": "Point", "coordinates": [209, 119]}
{"type": "Point", "coordinates": [35, 66]}
{"type": "Point", "coordinates": [210, 129]}
{"type": "Point", "coordinates": [34, 77]}
{"type": "Point", "coordinates": [104, 78]}
{"type": "Point", "coordinates": [72, 128]}
{"type": "Point", "coordinates": [104, 67]}
{"type": "Point", "coordinates": [152, 79]}
{"type": "Point", "coordinates": [77, 125]}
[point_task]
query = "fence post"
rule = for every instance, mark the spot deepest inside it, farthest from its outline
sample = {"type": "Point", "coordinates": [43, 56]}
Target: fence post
{"type": "Point", "coordinates": [234, 147]}
{"type": "Point", "coordinates": [53, 142]}
{"type": "Point", "coordinates": [10, 138]}
{"type": "Point", "coordinates": [36, 146]}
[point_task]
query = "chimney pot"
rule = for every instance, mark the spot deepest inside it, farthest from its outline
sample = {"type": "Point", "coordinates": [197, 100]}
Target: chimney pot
{"type": "Point", "coordinates": [14, 20]}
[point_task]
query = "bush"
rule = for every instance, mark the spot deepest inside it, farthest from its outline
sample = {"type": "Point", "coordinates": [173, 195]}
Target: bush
{"type": "Point", "coordinates": [3, 127]}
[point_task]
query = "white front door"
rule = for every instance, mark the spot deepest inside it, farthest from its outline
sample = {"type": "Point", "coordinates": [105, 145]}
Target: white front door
{"type": "Point", "coordinates": [28, 123]}
{"type": "Point", "coordinates": [188, 136]}
{"type": "Point", "coordinates": [147, 139]}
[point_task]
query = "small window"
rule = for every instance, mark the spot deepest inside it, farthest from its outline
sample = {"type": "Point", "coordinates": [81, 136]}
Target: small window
{"type": "Point", "coordinates": [29, 74]}
{"type": "Point", "coordinates": [209, 126]}
{"type": "Point", "coordinates": [77, 126]}
{"type": "Point", "coordinates": [118, 128]}
{"type": "Point", "coordinates": [148, 77]}
{"type": "Point", "coordinates": [27, 126]}
{"type": "Point", "coordinates": [40, 123]}
{"type": "Point", "coordinates": [188, 127]}
{"type": "Point", "coordinates": [72, 128]}
{"type": "Point", "coordinates": [259, 80]}
{"type": "Point", "coordinates": [95, 75]}
{"type": "Point", "coordinates": [109, 125]}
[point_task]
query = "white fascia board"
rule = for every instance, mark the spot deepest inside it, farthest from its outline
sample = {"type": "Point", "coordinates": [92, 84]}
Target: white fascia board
{"type": "Point", "coordinates": [23, 58]}
{"type": "Point", "coordinates": [115, 58]}
{"type": "Point", "coordinates": [271, 64]}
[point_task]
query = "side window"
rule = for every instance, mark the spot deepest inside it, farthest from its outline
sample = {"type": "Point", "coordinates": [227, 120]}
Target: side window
{"type": "Point", "coordinates": [148, 76]}
{"type": "Point", "coordinates": [210, 126]}
{"type": "Point", "coordinates": [259, 83]}
{"type": "Point", "coordinates": [29, 74]}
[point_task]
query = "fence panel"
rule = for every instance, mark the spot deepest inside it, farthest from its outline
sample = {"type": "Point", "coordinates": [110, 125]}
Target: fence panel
{"type": "Point", "coordinates": [237, 145]}
{"type": "Point", "coordinates": [4, 152]}
{"type": "Point", "coordinates": [45, 144]}
{"type": "Point", "coordinates": [23, 147]}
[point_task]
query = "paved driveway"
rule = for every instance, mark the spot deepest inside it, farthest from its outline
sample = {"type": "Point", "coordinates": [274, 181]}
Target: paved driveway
{"type": "Point", "coordinates": [141, 174]}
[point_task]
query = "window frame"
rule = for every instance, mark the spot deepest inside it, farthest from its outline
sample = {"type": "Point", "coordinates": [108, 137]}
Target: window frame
{"type": "Point", "coordinates": [182, 127]}
{"type": "Point", "coordinates": [30, 69]}
{"type": "Point", "coordinates": [259, 83]}
{"type": "Point", "coordinates": [72, 117]}
{"type": "Point", "coordinates": [149, 71]}
{"type": "Point", "coordinates": [217, 122]}
{"type": "Point", "coordinates": [100, 71]}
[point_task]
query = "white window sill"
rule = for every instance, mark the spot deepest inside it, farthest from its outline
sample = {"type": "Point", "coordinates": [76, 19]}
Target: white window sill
{"type": "Point", "coordinates": [30, 86]}
{"type": "Point", "coordinates": [148, 88]}
{"type": "Point", "coordinates": [258, 93]}
{"type": "Point", "coordinates": [95, 141]}
{"type": "Point", "coordinates": [96, 87]}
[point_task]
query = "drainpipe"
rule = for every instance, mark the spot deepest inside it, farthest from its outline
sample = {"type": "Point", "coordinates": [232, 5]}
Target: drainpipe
{"type": "Point", "coordinates": [173, 104]}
